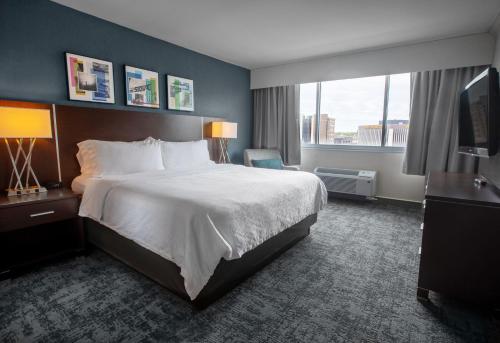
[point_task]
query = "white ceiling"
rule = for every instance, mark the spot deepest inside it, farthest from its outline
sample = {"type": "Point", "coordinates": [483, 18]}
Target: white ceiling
{"type": "Point", "coordinates": [260, 33]}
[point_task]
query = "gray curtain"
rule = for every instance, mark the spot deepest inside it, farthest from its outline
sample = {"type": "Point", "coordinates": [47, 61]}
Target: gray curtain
{"type": "Point", "coordinates": [276, 121]}
{"type": "Point", "coordinates": [433, 134]}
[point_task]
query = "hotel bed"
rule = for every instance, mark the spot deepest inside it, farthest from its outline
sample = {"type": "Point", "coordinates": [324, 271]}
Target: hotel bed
{"type": "Point", "coordinates": [196, 219]}
{"type": "Point", "coordinates": [198, 229]}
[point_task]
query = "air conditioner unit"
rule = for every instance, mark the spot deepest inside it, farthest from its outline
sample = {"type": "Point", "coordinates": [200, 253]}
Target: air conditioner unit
{"type": "Point", "coordinates": [348, 181]}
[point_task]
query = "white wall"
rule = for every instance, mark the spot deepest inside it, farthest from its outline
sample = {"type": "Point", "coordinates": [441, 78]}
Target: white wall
{"type": "Point", "coordinates": [463, 51]}
{"type": "Point", "coordinates": [457, 52]}
{"type": "Point", "coordinates": [392, 183]}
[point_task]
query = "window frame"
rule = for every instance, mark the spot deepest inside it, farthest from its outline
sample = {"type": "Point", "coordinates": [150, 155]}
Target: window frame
{"type": "Point", "coordinates": [352, 147]}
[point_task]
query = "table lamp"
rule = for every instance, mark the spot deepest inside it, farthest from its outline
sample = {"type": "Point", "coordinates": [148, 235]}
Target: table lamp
{"type": "Point", "coordinates": [21, 123]}
{"type": "Point", "coordinates": [223, 131]}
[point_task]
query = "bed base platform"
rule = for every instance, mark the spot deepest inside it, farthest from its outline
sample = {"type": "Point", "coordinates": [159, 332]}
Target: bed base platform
{"type": "Point", "coordinates": [227, 275]}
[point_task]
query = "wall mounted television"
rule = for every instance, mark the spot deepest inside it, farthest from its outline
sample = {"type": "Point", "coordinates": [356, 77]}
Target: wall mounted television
{"type": "Point", "coordinates": [478, 115]}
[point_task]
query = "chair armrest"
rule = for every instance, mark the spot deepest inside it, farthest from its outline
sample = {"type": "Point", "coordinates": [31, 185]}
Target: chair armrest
{"type": "Point", "coordinates": [295, 168]}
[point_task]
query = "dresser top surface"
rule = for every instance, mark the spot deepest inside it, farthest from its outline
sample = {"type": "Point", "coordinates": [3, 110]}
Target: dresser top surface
{"type": "Point", "coordinates": [460, 187]}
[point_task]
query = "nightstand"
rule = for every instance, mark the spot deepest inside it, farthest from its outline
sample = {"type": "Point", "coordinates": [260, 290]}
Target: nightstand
{"type": "Point", "coordinates": [39, 227]}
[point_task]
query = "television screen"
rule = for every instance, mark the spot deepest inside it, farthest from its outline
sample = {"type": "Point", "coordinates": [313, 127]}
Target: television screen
{"type": "Point", "coordinates": [477, 115]}
{"type": "Point", "coordinates": [474, 115]}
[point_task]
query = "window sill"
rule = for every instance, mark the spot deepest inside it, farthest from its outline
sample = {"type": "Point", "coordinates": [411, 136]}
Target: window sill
{"type": "Point", "coordinates": [357, 148]}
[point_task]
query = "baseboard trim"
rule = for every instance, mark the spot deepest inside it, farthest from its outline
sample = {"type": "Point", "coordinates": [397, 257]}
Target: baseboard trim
{"type": "Point", "coordinates": [380, 200]}
{"type": "Point", "coordinates": [395, 201]}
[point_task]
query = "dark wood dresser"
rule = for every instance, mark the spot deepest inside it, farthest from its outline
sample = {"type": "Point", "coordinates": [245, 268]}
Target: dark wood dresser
{"type": "Point", "coordinates": [460, 252]}
{"type": "Point", "coordinates": [35, 228]}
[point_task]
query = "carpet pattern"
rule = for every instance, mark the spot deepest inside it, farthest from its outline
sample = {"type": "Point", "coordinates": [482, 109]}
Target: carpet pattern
{"type": "Point", "coordinates": [352, 280]}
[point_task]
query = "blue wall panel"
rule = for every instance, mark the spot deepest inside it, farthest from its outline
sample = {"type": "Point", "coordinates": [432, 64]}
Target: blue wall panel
{"type": "Point", "coordinates": [34, 35]}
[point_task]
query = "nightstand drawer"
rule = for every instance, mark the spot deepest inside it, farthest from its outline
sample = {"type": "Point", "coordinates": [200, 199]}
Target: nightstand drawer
{"type": "Point", "coordinates": [39, 213]}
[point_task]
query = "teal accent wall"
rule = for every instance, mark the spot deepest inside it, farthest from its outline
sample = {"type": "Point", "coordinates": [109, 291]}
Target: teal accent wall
{"type": "Point", "coordinates": [34, 36]}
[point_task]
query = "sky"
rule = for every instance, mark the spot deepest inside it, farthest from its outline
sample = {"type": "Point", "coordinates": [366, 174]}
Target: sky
{"type": "Point", "coordinates": [359, 101]}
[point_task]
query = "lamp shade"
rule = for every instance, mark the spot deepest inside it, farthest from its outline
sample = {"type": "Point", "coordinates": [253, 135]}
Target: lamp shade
{"type": "Point", "coordinates": [18, 122]}
{"type": "Point", "coordinates": [222, 129]}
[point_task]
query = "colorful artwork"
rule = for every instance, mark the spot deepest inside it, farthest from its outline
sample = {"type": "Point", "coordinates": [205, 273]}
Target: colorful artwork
{"type": "Point", "coordinates": [180, 93]}
{"type": "Point", "coordinates": [90, 79]}
{"type": "Point", "coordinates": [141, 87]}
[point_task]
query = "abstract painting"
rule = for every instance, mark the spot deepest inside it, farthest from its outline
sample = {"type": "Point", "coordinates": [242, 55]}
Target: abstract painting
{"type": "Point", "coordinates": [141, 87]}
{"type": "Point", "coordinates": [180, 93]}
{"type": "Point", "coordinates": [90, 79]}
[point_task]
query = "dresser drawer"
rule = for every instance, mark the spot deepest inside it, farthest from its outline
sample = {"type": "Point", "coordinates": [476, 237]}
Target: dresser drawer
{"type": "Point", "coordinates": [38, 213]}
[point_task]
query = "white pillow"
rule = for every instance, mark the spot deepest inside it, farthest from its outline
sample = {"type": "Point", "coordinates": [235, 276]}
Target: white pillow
{"type": "Point", "coordinates": [185, 155]}
{"type": "Point", "coordinates": [98, 158]}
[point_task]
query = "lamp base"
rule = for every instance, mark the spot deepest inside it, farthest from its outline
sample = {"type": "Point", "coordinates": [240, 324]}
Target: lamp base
{"type": "Point", "coordinates": [224, 154]}
{"type": "Point", "coordinates": [24, 191]}
{"type": "Point", "coordinates": [16, 186]}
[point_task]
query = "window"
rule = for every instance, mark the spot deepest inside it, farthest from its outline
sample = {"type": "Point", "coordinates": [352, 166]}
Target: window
{"type": "Point", "coordinates": [369, 111]}
{"type": "Point", "coordinates": [308, 112]}
{"type": "Point", "coordinates": [398, 110]}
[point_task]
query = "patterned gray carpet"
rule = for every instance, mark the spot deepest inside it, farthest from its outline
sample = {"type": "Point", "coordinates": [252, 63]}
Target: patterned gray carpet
{"type": "Point", "coordinates": [352, 280]}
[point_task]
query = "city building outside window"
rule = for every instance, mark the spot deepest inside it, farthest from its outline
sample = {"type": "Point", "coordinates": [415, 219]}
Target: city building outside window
{"type": "Point", "coordinates": [307, 112]}
{"type": "Point", "coordinates": [370, 111]}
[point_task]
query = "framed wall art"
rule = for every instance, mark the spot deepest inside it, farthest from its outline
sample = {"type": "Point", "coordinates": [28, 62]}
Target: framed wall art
{"type": "Point", "coordinates": [141, 87]}
{"type": "Point", "coordinates": [180, 93]}
{"type": "Point", "coordinates": [90, 79]}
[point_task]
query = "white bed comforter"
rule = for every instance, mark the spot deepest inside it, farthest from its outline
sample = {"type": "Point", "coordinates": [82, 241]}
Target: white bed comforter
{"type": "Point", "coordinates": [196, 218]}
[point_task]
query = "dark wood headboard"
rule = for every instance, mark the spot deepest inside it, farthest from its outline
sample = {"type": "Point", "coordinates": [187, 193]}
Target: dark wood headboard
{"type": "Point", "coordinates": [76, 124]}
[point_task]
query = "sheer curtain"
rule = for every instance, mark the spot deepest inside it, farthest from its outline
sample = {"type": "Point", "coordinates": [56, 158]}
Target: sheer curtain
{"type": "Point", "coordinates": [277, 121]}
{"type": "Point", "coordinates": [433, 133]}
